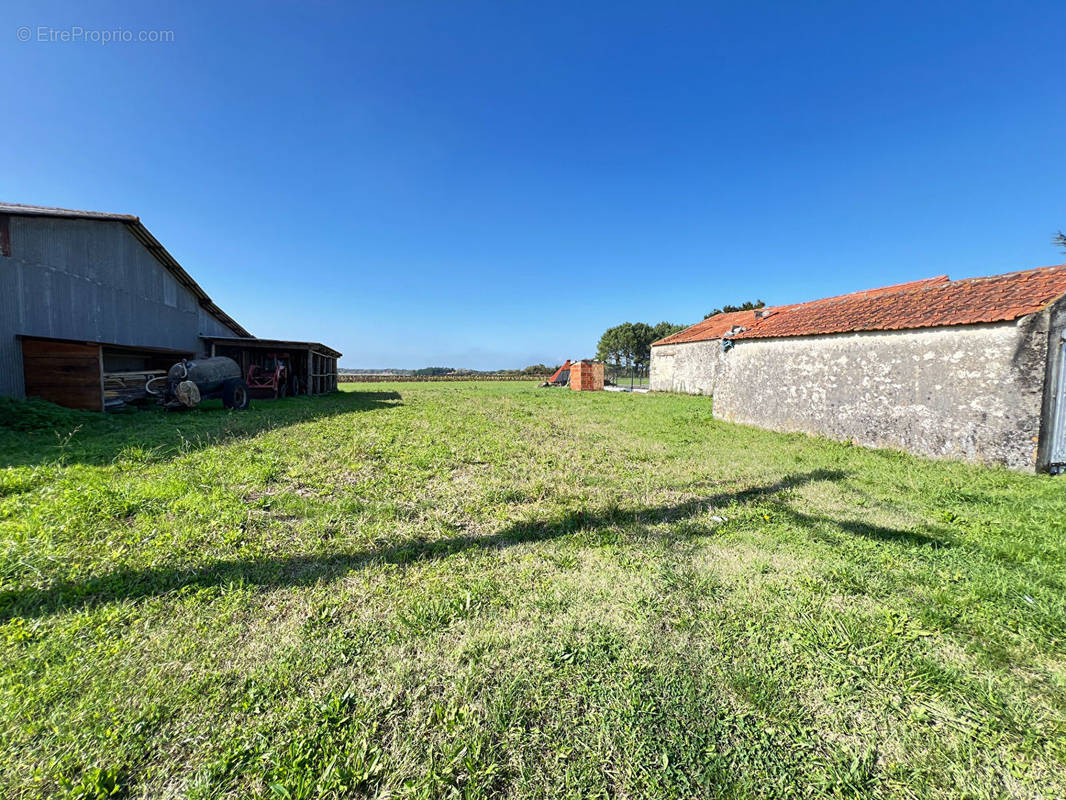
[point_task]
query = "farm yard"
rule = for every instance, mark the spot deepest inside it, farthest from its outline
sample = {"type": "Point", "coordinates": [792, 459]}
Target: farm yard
{"type": "Point", "coordinates": [486, 590]}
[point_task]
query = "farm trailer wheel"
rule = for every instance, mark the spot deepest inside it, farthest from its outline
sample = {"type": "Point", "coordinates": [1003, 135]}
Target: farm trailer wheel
{"type": "Point", "coordinates": [235, 394]}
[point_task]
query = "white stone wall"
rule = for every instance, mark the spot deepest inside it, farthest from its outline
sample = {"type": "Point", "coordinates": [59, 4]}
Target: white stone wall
{"type": "Point", "coordinates": [972, 392]}
{"type": "Point", "coordinates": [690, 367]}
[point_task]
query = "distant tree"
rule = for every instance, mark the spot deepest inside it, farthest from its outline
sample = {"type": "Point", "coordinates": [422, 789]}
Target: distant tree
{"type": "Point", "coordinates": [664, 329]}
{"type": "Point", "coordinates": [642, 335]}
{"type": "Point", "coordinates": [745, 306]}
{"type": "Point", "coordinates": [628, 346]}
{"type": "Point", "coordinates": [430, 371]}
{"type": "Point", "coordinates": [613, 346]}
{"type": "Point", "coordinates": [1059, 240]}
{"type": "Point", "coordinates": [609, 349]}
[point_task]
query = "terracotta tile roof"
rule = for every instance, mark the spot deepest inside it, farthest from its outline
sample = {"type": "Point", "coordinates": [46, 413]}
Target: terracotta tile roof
{"type": "Point", "coordinates": [712, 328]}
{"type": "Point", "coordinates": [919, 304]}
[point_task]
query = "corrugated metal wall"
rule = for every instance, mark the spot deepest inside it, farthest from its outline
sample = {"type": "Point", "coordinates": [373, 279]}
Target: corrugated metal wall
{"type": "Point", "coordinates": [1058, 389]}
{"type": "Point", "coordinates": [91, 280]}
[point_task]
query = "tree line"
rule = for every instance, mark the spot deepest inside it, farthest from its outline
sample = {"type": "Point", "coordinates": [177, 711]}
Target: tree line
{"type": "Point", "coordinates": [532, 369]}
{"type": "Point", "coordinates": [628, 346]}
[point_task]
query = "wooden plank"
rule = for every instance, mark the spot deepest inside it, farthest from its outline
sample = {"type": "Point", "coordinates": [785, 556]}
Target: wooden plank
{"type": "Point", "coordinates": [56, 369]}
{"type": "Point", "coordinates": [100, 376]}
{"type": "Point", "coordinates": [46, 349]}
{"type": "Point", "coordinates": [64, 373]}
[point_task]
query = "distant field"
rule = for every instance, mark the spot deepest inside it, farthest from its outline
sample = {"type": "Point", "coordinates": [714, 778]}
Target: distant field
{"type": "Point", "coordinates": [492, 590]}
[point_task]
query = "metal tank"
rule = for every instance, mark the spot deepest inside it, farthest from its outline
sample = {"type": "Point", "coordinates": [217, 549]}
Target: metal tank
{"type": "Point", "coordinates": [207, 373]}
{"type": "Point", "coordinates": [189, 382]}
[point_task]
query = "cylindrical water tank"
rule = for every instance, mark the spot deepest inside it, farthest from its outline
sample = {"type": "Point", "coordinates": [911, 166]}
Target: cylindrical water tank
{"type": "Point", "coordinates": [207, 373]}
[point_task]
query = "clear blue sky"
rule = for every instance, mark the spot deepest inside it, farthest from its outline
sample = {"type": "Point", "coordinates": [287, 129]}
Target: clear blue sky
{"type": "Point", "coordinates": [493, 184]}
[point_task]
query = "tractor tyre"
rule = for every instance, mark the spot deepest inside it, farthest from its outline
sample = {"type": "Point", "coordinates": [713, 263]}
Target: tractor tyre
{"type": "Point", "coordinates": [283, 389]}
{"type": "Point", "coordinates": [235, 394]}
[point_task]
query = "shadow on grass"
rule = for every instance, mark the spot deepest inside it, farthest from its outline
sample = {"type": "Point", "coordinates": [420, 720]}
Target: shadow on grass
{"type": "Point", "coordinates": [95, 439]}
{"type": "Point", "coordinates": [866, 530]}
{"type": "Point", "coordinates": [302, 570]}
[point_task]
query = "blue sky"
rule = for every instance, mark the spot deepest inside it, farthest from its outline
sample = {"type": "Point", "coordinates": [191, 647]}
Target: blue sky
{"type": "Point", "coordinates": [493, 184]}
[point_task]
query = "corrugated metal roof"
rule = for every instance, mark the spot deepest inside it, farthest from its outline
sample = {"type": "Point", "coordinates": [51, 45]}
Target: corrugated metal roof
{"type": "Point", "coordinates": [145, 237]}
{"type": "Point", "coordinates": [929, 303]}
{"type": "Point", "coordinates": [237, 341]}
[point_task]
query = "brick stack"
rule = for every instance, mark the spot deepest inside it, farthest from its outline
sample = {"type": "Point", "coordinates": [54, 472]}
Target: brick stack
{"type": "Point", "coordinates": [586, 376]}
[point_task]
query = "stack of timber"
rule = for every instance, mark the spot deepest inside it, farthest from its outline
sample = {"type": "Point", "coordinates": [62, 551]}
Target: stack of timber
{"type": "Point", "coordinates": [128, 387]}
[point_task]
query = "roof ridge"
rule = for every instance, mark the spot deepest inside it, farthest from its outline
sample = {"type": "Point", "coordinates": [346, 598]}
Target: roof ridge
{"type": "Point", "coordinates": [883, 291]}
{"type": "Point", "coordinates": [1008, 295]}
{"type": "Point", "coordinates": [56, 211]}
{"type": "Point", "coordinates": [1015, 273]}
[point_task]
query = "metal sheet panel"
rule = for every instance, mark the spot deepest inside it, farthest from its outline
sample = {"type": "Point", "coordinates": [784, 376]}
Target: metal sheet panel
{"type": "Point", "coordinates": [1058, 429]}
{"type": "Point", "coordinates": [91, 280]}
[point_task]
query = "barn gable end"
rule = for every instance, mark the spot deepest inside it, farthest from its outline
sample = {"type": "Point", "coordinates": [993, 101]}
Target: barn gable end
{"type": "Point", "coordinates": [82, 276]}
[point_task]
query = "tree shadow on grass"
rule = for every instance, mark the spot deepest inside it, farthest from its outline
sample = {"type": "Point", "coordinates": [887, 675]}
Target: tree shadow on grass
{"type": "Point", "coordinates": [303, 570]}
{"type": "Point", "coordinates": [866, 530]}
{"type": "Point", "coordinates": [94, 439]}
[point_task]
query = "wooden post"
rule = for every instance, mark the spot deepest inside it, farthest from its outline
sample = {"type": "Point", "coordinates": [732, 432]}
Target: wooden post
{"type": "Point", "coordinates": [100, 358]}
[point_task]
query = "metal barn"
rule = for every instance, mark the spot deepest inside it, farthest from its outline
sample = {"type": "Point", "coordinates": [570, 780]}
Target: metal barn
{"type": "Point", "coordinates": [91, 301]}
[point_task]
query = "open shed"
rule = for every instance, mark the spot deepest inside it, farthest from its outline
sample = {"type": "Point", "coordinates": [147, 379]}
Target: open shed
{"type": "Point", "coordinates": [87, 374]}
{"type": "Point", "coordinates": [313, 364]}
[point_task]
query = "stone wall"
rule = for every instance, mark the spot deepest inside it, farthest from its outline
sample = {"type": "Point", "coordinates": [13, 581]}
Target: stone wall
{"type": "Point", "coordinates": [689, 367]}
{"type": "Point", "coordinates": [972, 392]}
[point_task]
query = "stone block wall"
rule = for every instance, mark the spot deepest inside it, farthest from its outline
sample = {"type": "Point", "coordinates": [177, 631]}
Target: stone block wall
{"type": "Point", "coordinates": [972, 392]}
{"type": "Point", "coordinates": [688, 367]}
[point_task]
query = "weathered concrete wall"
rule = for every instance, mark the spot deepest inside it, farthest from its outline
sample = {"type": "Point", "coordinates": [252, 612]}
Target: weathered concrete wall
{"type": "Point", "coordinates": [689, 367]}
{"type": "Point", "coordinates": [972, 392]}
{"type": "Point", "coordinates": [91, 280]}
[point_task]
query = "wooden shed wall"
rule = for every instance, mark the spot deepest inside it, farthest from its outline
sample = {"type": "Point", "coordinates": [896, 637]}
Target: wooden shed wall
{"type": "Point", "coordinates": [64, 373]}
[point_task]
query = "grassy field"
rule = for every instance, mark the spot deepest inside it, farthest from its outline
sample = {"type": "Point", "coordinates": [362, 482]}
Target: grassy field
{"type": "Point", "coordinates": [490, 590]}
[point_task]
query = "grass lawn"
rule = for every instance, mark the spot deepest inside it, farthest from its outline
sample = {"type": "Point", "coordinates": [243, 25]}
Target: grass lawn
{"type": "Point", "coordinates": [492, 590]}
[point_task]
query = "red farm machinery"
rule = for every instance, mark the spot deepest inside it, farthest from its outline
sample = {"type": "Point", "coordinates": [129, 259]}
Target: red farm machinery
{"type": "Point", "coordinates": [273, 377]}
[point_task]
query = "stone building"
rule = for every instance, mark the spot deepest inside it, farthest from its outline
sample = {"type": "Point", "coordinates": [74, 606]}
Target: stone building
{"type": "Point", "coordinates": [971, 369]}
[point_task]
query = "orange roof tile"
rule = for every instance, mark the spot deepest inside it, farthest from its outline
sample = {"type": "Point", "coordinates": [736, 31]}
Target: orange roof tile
{"type": "Point", "coordinates": [920, 304]}
{"type": "Point", "coordinates": [712, 328]}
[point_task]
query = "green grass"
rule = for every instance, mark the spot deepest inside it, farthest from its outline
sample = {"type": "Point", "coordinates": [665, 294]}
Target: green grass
{"type": "Point", "coordinates": [490, 590]}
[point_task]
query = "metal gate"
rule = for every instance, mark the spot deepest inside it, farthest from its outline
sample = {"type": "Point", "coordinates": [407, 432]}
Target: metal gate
{"type": "Point", "coordinates": [1058, 427]}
